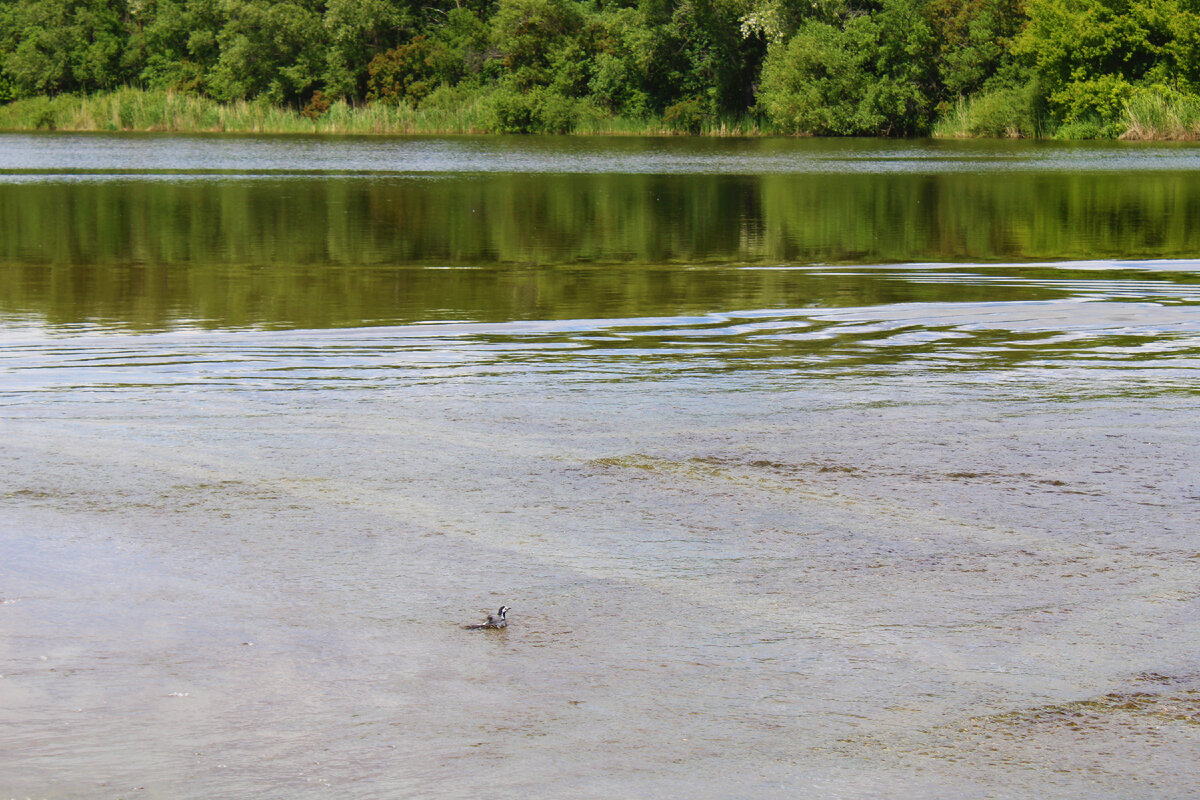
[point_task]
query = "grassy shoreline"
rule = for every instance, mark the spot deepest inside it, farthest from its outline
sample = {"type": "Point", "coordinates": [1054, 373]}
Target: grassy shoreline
{"type": "Point", "coordinates": [1148, 117]}
{"type": "Point", "coordinates": [174, 112]}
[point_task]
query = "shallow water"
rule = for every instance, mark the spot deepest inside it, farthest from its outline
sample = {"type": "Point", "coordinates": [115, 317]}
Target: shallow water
{"type": "Point", "coordinates": [796, 486]}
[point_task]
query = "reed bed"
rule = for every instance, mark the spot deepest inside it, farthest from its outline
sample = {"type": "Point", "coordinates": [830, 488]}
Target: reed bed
{"type": "Point", "coordinates": [137, 110]}
{"type": "Point", "coordinates": [1001, 114]}
{"type": "Point", "coordinates": [131, 109]}
{"type": "Point", "coordinates": [1148, 116]}
{"type": "Point", "coordinates": [1156, 117]}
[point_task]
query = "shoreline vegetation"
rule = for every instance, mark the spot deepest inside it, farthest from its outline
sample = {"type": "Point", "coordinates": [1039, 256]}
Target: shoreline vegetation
{"type": "Point", "coordinates": [166, 111]}
{"type": "Point", "coordinates": [1064, 69]}
{"type": "Point", "coordinates": [1150, 117]}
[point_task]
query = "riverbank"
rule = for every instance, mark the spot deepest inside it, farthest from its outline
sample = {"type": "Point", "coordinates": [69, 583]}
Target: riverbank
{"type": "Point", "coordinates": [130, 109]}
{"type": "Point", "coordinates": [1149, 117]}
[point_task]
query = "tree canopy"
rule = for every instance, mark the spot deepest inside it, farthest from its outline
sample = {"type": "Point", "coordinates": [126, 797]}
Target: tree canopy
{"type": "Point", "coordinates": [888, 67]}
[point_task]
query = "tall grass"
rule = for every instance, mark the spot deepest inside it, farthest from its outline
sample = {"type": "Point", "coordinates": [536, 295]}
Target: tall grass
{"type": "Point", "coordinates": [132, 109]}
{"type": "Point", "coordinates": [954, 123]}
{"type": "Point", "coordinates": [657, 126]}
{"type": "Point", "coordinates": [1162, 116]}
{"type": "Point", "coordinates": [1003, 113]}
{"type": "Point", "coordinates": [161, 110]}
{"type": "Point", "coordinates": [1150, 115]}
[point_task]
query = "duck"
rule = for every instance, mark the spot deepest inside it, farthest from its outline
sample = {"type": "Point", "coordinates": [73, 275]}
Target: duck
{"type": "Point", "coordinates": [497, 620]}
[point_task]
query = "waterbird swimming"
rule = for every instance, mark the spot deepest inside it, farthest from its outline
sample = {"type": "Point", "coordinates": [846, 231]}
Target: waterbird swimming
{"type": "Point", "coordinates": [496, 620]}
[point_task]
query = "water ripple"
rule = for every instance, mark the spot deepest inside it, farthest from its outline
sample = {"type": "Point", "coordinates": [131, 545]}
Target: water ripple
{"type": "Point", "coordinates": [1121, 340]}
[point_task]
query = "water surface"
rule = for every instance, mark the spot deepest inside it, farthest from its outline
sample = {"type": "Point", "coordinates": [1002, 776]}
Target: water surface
{"type": "Point", "coordinates": [808, 469]}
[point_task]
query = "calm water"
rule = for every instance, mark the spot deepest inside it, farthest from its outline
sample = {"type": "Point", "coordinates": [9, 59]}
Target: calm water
{"type": "Point", "coordinates": [809, 469]}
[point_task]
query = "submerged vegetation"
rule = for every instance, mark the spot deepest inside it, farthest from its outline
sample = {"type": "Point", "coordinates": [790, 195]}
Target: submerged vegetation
{"type": "Point", "coordinates": [1070, 68]}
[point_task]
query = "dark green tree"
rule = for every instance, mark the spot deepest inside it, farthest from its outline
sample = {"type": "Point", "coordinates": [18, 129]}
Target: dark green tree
{"type": "Point", "coordinates": [54, 46]}
{"type": "Point", "coordinates": [358, 31]}
{"type": "Point", "coordinates": [179, 39]}
{"type": "Point", "coordinates": [974, 43]}
{"type": "Point", "coordinates": [529, 32]}
{"type": "Point", "coordinates": [269, 50]}
{"type": "Point", "coordinates": [871, 74]}
{"type": "Point", "coordinates": [1092, 55]}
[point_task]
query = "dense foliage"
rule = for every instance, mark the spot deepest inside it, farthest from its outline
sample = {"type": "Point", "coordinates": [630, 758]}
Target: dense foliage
{"type": "Point", "coordinates": [1016, 67]}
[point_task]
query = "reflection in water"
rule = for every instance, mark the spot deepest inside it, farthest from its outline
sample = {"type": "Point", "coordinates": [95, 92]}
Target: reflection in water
{"type": "Point", "coordinates": [797, 483]}
{"type": "Point", "coordinates": [339, 251]}
{"type": "Point", "coordinates": [549, 219]}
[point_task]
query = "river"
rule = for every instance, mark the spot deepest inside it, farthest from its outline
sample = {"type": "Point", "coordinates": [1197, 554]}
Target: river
{"type": "Point", "coordinates": [842, 469]}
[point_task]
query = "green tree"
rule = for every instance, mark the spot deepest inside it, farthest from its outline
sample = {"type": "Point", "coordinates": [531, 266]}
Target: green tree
{"type": "Point", "coordinates": [641, 62]}
{"type": "Point", "coordinates": [272, 50]}
{"type": "Point", "coordinates": [528, 32]}
{"type": "Point", "coordinates": [873, 74]}
{"type": "Point", "coordinates": [974, 43]}
{"type": "Point", "coordinates": [462, 47]}
{"type": "Point", "coordinates": [1092, 55]}
{"type": "Point", "coordinates": [404, 73]}
{"type": "Point", "coordinates": [179, 39]}
{"type": "Point", "coordinates": [53, 46]}
{"type": "Point", "coordinates": [710, 40]}
{"type": "Point", "coordinates": [812, 83]}
{"type": "Point", "coordinates": [358, 31]}
{"type": "Point", "coordinates": [627, 52]}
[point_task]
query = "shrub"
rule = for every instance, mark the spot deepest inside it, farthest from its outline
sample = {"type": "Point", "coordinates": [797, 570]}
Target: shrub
{"type": "Point", "coordinates": [511, 111]}
{"type": "Point", "coordinates": [813, 83]}
{"type": "Point", "coordinates": [1102, 98]}
{"type": "Point", "coordinates": [401, 74]}
{"type": "Point", "coordinates": [536, 111]}
{"type": "Point", "coordinates": [41, 113]}
{"type": "Point", "coordinates": [528, 32]}
{"type": "Point", "coordinates": [686, 116]}
{"type": "Point", "coordinates": [1162, 114]}
{"type": "Point", "coordinates": [553, 113]}
{"type": "Point", "coordinates": [317, 107]}
{"type": "Point", "coordinates": [1007, 112]}
{"type": "Point", "coordinates": [872, 76]}
{"type": "Point", "coordinates": [1089, 128]}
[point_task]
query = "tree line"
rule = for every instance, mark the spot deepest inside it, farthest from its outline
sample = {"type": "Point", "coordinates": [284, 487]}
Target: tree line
{"type": "Point", "coordinates": [827, 67]}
